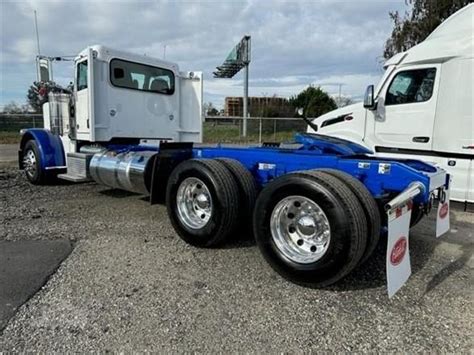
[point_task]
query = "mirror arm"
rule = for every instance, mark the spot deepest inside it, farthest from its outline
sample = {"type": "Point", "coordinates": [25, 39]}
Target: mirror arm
{"type": "Point", "coordinates": [311, 124]}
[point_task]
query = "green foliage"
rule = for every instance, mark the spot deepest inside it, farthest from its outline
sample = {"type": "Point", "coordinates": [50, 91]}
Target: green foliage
{"type": "Point", "coordinates": [424, 16]}
{"type": "Point", "coordinates": [210, 110]}
{"type": "Point", "coordinates": [314, 101]}
{"type": "Point", "coordinates": [38, 92]}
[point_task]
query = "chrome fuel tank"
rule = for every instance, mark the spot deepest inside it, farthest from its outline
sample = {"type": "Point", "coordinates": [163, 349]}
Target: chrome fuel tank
{"type": "Point", "coordinates": [128, 171]}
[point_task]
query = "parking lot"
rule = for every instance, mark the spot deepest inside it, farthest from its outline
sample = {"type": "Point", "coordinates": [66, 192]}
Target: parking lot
{"type": "Point", "coordinates": [131, 284]}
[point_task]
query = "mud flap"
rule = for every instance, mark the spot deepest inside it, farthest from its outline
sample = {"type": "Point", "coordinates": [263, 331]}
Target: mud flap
{"type": "Point", "coordinates": [398, 254]}
{"type": "Point", "coordinates": [442, 215]}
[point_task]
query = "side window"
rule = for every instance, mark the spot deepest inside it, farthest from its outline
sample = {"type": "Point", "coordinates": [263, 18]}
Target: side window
{"type": "Point", "coordinates": [411, 86]}
{"type": "Point", "coordinates": [141, 77]}
{"type": "Point", "coordinates": [82, 76]}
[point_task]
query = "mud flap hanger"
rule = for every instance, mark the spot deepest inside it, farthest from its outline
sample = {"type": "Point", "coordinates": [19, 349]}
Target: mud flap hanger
{"type": "Point", "coordinates": [399, 210]}
{"type": "Point", "coordinates": [413, 190]}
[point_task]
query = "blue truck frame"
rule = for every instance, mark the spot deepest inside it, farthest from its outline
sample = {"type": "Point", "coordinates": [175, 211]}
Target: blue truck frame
{"type": "Point", "coordinates": [383, 177]}
{"type": "Point", "coordinates": [389, 183]}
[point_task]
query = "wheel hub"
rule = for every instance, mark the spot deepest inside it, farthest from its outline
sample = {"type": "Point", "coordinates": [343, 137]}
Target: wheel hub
{"type": "Point", "coordinates": [194, 203]}
{"type": "Point", "coordinates": [29, 162]}
{"type": "Point", "coordinates": [300, 229]}
{"type": "Point", "coordinates": [202, 201]}
{"type": "Point", "coordinates": [306, 225]}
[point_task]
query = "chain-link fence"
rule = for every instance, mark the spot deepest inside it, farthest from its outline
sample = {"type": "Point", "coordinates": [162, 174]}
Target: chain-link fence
{"type": "Point", "coordinates": [217, 129]}
{"type": "Point", "coordinates": [223, 129]}
{"type": "Point", "coordinates": [11, 122]}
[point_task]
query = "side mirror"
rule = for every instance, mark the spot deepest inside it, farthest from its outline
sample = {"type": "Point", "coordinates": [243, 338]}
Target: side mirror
{"type": "Point", "coordinates": [44, 71]}
{"type": "Point", "coordinates": [369, 101]}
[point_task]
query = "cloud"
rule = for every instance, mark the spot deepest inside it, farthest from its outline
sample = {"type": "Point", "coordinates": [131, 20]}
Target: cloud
{"type": "Point", "coordinates": [294, 43]}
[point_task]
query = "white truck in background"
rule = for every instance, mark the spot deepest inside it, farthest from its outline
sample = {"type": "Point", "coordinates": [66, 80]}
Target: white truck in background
{"type": "Point", "coordinates": [422, 108]}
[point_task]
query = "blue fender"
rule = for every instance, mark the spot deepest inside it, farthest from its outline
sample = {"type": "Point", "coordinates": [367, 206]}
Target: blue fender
{"type": "Point", "coordinates": [51, 148]}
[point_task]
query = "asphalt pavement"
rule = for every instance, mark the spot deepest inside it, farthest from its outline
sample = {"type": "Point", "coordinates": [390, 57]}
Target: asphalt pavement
{"type": "Point", "coordinates": [25, 265]}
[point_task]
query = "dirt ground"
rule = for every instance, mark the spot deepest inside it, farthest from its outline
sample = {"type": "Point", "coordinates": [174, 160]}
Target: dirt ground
{"type": "Point", "coordinates": [131, 284]}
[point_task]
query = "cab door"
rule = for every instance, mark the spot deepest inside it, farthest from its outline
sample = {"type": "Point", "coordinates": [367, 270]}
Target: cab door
{"type": "Point", "coordinates": [406, 108]}
{"type": "Point", "coordinates": [84, 97]}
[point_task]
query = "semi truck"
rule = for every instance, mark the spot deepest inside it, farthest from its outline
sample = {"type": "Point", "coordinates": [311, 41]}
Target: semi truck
{"type": "Point", "coordinates": [318, 206]}
{"type": "Point", "coordinates": [422, 107]}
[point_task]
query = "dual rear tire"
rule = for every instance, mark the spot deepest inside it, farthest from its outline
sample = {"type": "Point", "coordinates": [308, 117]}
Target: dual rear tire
{"type": "Point", "coordinates": [313, 227]}
{"type": "Point", "coordinates": [208, 200]}
{"type": "Point", "coordinates": [322, 216]}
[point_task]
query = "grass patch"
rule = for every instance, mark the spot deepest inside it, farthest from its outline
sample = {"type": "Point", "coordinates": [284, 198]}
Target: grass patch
{"type": "Point", "coordinates": [212, 133]}
{"type": "Point", "coordinates": [227, 133]}
{"type": "Point", "coordinates": [9, 137]}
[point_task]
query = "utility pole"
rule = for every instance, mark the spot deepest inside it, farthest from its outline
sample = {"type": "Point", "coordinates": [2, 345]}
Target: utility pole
{"type": "Point", "coordinates": [37, 34]}
{"type": "Point", "coordinates": [246, 99]}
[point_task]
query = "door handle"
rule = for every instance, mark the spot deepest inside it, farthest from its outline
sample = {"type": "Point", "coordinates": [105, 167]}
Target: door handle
{"type": "Point", "coordinates": [421, 139]}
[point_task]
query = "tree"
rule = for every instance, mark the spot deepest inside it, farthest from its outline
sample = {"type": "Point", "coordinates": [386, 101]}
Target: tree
{"type": "Point", "coordinates": [417, 23]}
{"type": "Point", "coordinates": [13, 107]}
{"type": "Point", "coordinates": [38, 93]}
{"type": "Point", "coordinates": [210, 110]}
{"type": "Point", "coordinates": [314, 101]}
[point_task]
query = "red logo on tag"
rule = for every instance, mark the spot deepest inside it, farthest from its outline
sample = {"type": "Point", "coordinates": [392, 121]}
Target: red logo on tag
{"type": "Point", "coordinates": [443, 211]}
{"type": "Point", "coordinates": [398, 251]}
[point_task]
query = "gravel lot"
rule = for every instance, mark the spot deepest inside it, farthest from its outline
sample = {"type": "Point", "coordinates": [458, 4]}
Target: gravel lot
{"type": "Point", "coordinates": [131, 284]}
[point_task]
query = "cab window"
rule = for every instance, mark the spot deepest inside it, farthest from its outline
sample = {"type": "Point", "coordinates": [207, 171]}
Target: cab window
{"type": "Point", "coordinates": [82, 75]}
{"type": "Point", "coordinates": [411, 86]}
{"type": "Point", "coordinates": [141, 77]}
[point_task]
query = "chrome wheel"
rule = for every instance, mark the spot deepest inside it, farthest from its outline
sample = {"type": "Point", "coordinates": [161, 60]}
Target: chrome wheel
{"type": "Point", "coordinates": [30, 163]}
{"type": "Point", "coordinates": [194, 203]}
{"type": "Point", "coordinates": [300, 229]}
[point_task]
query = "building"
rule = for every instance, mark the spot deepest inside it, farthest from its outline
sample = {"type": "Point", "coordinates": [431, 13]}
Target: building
{"type": "Point", "coordinates": [271, 106]}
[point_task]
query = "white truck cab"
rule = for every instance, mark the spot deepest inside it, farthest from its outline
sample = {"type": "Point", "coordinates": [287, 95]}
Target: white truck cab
{"type": "Point", "coordinates": [119, 95]}
{"type": "Point", "coordinates": [422, 108]}
{"type": "Point", "coordinates": [117, 98]}
{"type": "Point", "coordinates": [134, 96]}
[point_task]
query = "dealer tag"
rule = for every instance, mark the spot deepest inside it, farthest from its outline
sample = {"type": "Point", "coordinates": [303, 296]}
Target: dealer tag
{"type": "Point", "coordinates": [398, 254]}
{"type": "Point", "coordinates": [442, 215]}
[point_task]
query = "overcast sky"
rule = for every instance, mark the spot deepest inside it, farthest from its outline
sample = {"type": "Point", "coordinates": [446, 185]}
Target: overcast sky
{"type": "Point", "coordinates": [294, 43]}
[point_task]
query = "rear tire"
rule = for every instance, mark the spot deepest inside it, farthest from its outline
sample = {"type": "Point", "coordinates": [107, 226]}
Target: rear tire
{"type": "Point", "coordinates": [369, 206]}
{"type": "Point", "coordinates": [202, 200]}
{"type": "Point", "coordinates": [341, 210]}
{"type": "Point", "coordinates": [247, 188]}
{"type": "Point", "coordinates": [417, 215]}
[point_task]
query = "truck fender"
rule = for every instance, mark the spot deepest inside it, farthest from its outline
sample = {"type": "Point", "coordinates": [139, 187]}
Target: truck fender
{"type": "Point", "coordinates": [50, 148]}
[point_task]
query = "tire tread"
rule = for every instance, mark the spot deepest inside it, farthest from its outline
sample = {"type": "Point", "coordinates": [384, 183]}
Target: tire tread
{"type": "Point", "coordinates": [369, 206]}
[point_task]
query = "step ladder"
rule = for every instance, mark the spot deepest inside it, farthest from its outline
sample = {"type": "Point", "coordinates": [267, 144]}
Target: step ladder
{"type": "Point", "coordinates": [77, 167]}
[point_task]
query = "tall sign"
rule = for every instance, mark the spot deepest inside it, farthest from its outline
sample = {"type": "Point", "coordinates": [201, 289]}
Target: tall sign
{"type": "Point", "coordinates": [238, 59]}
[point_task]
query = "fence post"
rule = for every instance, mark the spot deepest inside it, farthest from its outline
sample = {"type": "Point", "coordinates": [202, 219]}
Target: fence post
{"type": "Point", "coordinates": [274, 129]}
{"type": "Point", "coordinates": [260, 130]}
{"type": "Point", "coordinates": [34, 122]}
